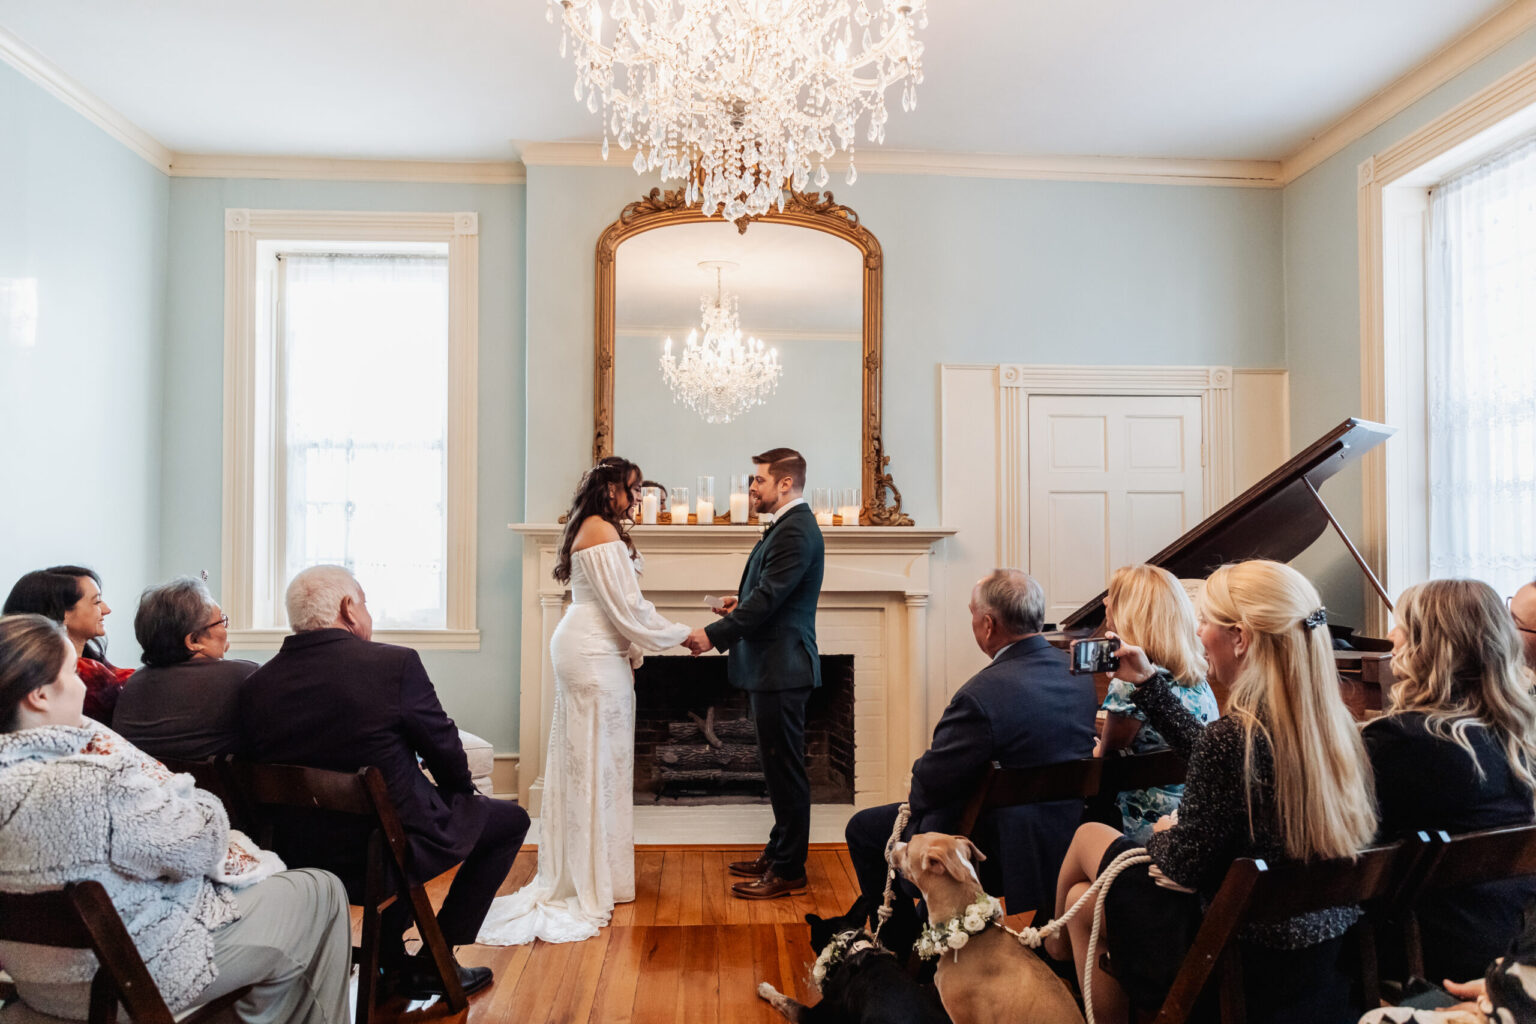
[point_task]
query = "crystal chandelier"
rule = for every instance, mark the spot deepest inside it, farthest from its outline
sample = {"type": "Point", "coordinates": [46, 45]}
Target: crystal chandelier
{"type": "Point", "coordinates": [723, 374]}
{"type": "Point", "coordinates": [742, 97]}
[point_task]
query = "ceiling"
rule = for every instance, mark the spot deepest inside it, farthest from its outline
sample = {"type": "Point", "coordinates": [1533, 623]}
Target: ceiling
{"type": "Point", "coordinates": [473, 79]}
{"type": "Point", "coordinates": [788, 281]}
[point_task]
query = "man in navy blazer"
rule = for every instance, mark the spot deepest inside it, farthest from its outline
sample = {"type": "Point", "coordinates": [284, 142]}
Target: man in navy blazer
{"type": "Point", "coordinates": [769, 630]}
{"type": "Point", "coordinates": [331, 698]}
{"type": "Point", "coordinates": [1022, 710]}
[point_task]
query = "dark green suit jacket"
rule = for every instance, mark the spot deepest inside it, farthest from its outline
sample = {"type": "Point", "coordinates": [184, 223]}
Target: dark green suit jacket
{"type": "Point", "coordinates": [770, 636]}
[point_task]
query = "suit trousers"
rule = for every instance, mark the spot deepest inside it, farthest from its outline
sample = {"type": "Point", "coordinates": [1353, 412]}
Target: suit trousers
{"type": "Point", "coordinates": [867, 833]}
{"type": "Point", "coordinates": [779, 717]}
{"type": "Point", "coordinates": [475, 885]}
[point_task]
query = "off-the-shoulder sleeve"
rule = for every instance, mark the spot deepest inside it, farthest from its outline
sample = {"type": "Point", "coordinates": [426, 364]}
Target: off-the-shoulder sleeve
{"type": "Point", "coordinates": [613, 582]}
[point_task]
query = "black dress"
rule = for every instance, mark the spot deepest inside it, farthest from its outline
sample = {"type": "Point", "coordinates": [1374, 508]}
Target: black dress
{"type": "Point", "coordinates": [1428, 782]}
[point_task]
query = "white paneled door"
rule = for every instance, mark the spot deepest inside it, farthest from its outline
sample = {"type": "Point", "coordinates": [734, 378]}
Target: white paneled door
{"type": "Point", "coordinates": [1112, 479]}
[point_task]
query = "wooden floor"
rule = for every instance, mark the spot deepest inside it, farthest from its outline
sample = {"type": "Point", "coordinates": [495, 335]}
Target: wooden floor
{"type": "Point", "coordinates": [685, 950]}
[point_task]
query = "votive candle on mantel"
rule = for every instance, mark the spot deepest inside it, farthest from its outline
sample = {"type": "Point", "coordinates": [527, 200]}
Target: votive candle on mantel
{"type": "Point", "coordinates": [741, 507]}
{"type": "Point", "coordinates": [677, 497]}
{"type": "Point", "coordinates": [848, 506]}
{"type": "Point", "coordinates": [821, 505]}
{"type": "Point", "coordinates": [650, 505]}
{"type": "Point", "coordinates": [705, 506]}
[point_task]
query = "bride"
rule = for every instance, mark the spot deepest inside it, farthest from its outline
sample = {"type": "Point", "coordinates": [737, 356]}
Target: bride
{"type": "Point", "coordinates": [586, 828]}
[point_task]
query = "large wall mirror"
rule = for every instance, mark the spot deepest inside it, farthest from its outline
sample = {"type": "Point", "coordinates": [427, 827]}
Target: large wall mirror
{"type": "Point", "coordinates": [806, 282]}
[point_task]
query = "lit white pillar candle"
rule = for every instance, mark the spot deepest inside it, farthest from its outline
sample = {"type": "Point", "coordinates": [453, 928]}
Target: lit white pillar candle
{"type": "Point", "coordinates": [740, 513]}
{"type": "Point", "coordinates": [705, 510]}
{"type": "Point", "coordinates": [824, 518]}
{"type": "Point", "coordinates": [850, 514]}
{"type": "Point", "coordinates": [650, 505]}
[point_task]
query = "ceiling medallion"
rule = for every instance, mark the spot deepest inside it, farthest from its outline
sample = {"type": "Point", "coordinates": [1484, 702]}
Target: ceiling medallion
{"type": "Point", "coordinates": [723, 374]}
{"type": "Point", "coordinates": [740, 98]}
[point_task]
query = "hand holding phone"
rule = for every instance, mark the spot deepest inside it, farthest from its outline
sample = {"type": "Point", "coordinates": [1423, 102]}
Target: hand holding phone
{"type": "Point", "coordinates": [1090, 657]}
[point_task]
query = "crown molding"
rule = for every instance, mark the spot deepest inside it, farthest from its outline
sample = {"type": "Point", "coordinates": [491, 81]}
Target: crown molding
{"type": "Point", "coordinates": [1450, 61]}
{"type": "Point", "coordinates": [1159, 171]}
{"type": "Point", "coordinates": [211, 165]}
{"type": "Point", "coordinates": [649, 331]}
{"type": "Point", "coordinates": [74, 95]}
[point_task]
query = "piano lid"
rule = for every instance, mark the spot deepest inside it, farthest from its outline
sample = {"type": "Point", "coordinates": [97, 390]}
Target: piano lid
{"type": "Point", "coordinates": [1277, 518]}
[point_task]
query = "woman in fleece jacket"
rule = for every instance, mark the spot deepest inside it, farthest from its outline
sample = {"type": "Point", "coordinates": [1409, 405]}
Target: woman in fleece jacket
{"type": "Point", "coordinates": [208, 915]}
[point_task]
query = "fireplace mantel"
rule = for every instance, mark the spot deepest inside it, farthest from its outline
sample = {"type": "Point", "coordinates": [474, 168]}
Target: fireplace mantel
{"type": "Point", "coordinates": [874, 605]}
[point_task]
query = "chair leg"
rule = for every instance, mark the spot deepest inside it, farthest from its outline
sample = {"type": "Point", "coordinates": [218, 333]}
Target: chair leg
{"type": "Point", "coordinates": [1234, 1009]}
{"type": "Point", "coordinates": [433, 942]}
{"type": "Point", "coordinates": [367, 957]}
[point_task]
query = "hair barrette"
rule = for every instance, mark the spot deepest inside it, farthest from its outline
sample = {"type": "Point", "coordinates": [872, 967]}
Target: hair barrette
{"type": "Point", "coordinates": [204, 574]}
{"type": "Point", "coordinates": [1315, 619]}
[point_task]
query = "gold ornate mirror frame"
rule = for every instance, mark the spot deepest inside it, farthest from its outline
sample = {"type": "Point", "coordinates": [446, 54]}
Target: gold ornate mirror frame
{"type": "Point", "coordinates": [815, 210]}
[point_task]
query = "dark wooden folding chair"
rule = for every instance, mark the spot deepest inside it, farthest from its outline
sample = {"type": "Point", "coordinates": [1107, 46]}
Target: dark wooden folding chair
{"type": "Point", "coordinates": [81, 916]}
{"type": "Point", "coordinates": [388, 872]}
{"type": "Point", "coordinates": [1254, 892]}
{"type": "Point", "coordinates": [1471, 858]}
{"type": "Point", "coordinates": [1046, 783]}
{"type": "Point", "coordinates": [1126, 771]}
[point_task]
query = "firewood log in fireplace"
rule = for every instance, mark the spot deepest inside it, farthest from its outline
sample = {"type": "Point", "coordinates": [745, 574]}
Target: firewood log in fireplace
{"type": "Point", "coordinates": [732, 756]}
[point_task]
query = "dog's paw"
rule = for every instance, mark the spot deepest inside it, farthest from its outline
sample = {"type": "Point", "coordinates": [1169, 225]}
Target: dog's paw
{"type": "Point", "coordinates": [768, 992]}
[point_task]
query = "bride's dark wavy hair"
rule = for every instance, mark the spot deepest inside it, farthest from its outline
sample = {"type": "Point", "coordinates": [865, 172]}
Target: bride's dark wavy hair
{"type": "Point", "coordinates": [594, 497]}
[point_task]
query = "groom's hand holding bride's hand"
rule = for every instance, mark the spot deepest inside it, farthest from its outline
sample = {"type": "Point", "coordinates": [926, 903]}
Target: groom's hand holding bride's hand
{"type": "Point", "coordinates": [725, 607]}
{"type": "Point", "coordinates": [698, 641]}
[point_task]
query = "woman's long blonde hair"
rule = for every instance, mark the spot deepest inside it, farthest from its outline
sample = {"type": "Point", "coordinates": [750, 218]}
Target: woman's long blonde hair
{"type": "Point", "coordinates": [1462, 665]}
{"type": "Point", "coordinates": [1151, 611]}
{"type": "Point", "coordinates": [1287, 688]}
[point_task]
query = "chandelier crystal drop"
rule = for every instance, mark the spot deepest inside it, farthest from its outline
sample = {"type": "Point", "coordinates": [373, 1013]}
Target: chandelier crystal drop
{"type": "Point", "coordinates": [741, 98]}
{"type": "Point", "coordinates": [723, 374]}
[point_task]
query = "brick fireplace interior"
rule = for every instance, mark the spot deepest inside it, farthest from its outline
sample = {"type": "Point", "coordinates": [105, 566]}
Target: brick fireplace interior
{"type": "Point", "coordinates": [676, 763]}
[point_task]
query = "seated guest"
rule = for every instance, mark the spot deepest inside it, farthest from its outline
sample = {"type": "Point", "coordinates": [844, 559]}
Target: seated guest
{"type": "Point", "coordinates": [181, 704]}
{"type": "Point", "coordinates": [1022, 710]}
{"type": "Point", "coordinates": [1456, 751]}
{"type": "Point", "coordinates": [1522, 610]}
{"type": "Point", "coordinates": [331, 698]}
{"type": "Point", "coordinates": [1282, 776]}
{"type": "Point", "coordinates": [71, 596]}
{"type": "Point", "coordinates": [1147, 607]}
{"type": "Point", "coordinates": [82, 804]}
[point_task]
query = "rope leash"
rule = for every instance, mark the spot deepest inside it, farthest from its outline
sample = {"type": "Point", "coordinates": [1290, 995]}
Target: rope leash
{"type": "Point", "coordinates": [883, 912]}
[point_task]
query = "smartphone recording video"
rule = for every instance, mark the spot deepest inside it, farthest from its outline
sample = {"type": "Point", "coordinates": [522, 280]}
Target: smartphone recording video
{"type": "Point", "coordinates": [1090, 657]}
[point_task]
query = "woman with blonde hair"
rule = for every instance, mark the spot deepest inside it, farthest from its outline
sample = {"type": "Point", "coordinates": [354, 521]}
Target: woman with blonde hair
{"type": "Point", "coordinates": [1456, 751]}
{"type": "Point", "coordinates": [1282, 775]}
{"type": "Point", "coordinates": [1148, 608]}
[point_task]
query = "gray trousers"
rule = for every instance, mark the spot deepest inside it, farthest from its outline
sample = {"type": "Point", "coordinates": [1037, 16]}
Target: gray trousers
{"type": "Point", "coordinates": [293, 942]}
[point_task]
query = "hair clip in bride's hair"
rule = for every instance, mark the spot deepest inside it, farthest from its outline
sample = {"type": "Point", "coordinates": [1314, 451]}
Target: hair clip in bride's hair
{"type": "Point", "coordinates": [204, 574]}
{"type": "Point", "coordinates": [1315, 619]}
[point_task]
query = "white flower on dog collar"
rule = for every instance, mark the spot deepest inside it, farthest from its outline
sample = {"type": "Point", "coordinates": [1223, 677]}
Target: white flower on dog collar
{"type": "Point", "coordinates": [957, 931]}
{"type": "Point", "coordinates": [843, 944]}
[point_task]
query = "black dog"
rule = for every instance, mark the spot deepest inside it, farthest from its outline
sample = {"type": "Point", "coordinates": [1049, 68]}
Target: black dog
{"type": "Point", "coordinates": [864, 985]}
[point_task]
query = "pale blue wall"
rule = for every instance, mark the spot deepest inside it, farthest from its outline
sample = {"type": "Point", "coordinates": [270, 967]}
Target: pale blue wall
{"type": "Point", "coordinates": [478, 689]}
{"type": "Point", "coordinates": [80, 410]}
{"type": "Point", "coordinates": [1322, 305]}
{"type": "Point", "coordinates": [976, 270]}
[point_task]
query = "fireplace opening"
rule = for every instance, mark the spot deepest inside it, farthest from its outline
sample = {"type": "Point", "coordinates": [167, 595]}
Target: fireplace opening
{"type": "Point", "coordinates": [695, 743]}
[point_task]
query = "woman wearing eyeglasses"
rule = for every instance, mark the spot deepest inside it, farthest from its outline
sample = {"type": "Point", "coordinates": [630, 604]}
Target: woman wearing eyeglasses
{"type": "Point", "coordinates": [181, 704]}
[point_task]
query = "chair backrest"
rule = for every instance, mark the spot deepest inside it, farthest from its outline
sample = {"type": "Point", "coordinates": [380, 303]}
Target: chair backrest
{"type": "Point", "coordinates": [1012, 787]}
{"type": "Point", "coordinates": [1254, 892]}
{"type": "Point", "coordinates": [81, 916]}
{"type": "Point", "coordinates": [1474, 857]}
{"type": "Point", "coordinates": [1123, 771]}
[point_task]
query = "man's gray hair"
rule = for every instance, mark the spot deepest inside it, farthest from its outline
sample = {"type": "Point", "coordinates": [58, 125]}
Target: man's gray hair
{"type": "Point", "coordinates": [314, 596]}
{"type": "Point", "coordinates": [1014, 600]}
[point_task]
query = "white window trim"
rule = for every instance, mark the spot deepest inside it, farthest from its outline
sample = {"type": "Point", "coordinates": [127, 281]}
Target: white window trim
{"type": "Point", "coordinates": [1393, 221]}
{"type": "Point", "coordinates": [244, 231]}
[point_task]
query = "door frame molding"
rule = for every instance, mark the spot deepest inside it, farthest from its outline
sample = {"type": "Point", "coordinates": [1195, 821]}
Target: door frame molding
{"type": "Point", "coordinates": [1017, 382]}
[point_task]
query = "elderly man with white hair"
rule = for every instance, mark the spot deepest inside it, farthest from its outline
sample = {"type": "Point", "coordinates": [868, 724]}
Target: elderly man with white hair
{"type": "Point", "coordinates": [332, 698]}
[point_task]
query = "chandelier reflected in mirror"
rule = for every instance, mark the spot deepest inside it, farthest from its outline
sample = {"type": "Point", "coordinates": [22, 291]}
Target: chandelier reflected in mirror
{"type": "Point", "coordinates": [721, 374]}
{"type": "Point", "coordinates": [741, 98]}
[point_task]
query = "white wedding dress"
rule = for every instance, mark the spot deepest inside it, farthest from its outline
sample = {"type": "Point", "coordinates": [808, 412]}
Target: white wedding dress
{"type": "Point", "coordinates": [587, 823]}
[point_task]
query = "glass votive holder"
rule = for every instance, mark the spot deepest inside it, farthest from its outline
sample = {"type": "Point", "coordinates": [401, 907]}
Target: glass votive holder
{"type": "Point", "coordinates": [821, 505]}
{"type": "Point", "coordinates": [848, 506]}
{"type": "Point", "coordinates": [741, 501]}
{"type": "Point", "coordinates": [650, 505]}
{"type": "Point", "coordinates": [677, 498]}
{"type": "Point", "coordinates": [704, 504]}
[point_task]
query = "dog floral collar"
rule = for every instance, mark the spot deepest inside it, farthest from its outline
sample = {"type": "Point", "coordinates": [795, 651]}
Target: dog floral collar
{"type": "Point", "coordinates": [843, 945]}
{"type": "Point", "coordinates": [957, 931]}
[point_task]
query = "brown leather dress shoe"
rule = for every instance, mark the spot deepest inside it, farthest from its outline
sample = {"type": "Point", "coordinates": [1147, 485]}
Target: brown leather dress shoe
{"type": "Point", "coordinates": [768, 887]}
{"type": "Point", "coordinates": [749, 868]}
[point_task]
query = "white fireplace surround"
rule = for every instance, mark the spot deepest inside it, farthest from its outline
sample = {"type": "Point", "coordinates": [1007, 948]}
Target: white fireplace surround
{"type": "Point", "coordinates": [874, 606]}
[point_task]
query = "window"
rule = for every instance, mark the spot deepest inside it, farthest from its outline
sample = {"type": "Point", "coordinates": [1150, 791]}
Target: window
{"type": "Point", "coordinates": [349, 417]}
{"type": "Point", "coordinates": [1480, 363]}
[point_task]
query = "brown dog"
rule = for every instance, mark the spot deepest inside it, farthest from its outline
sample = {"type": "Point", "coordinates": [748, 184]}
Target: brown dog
{"type": "Point", "coordinates": [992, 979]}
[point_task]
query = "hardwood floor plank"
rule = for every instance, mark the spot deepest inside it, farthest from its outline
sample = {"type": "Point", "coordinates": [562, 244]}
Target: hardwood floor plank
{"type": "Point", "coordinates": [669, 905]}
{"type": "Point", "coordinates": [717, 889]}
{"type": "Point", "coordinates": [656, 994]}
{"type": "Point", "coordinates": [647, 887]}
{"type": "Point", "coordinates": [791, 961]}
{"type": "Point", "coordinates": [507, 963]}
{"type": "Point", "coordinates": [546, 978]}
{"type": "Point", "coordinates": [765, 957]}
{"type": "Point", "coordinates": [573, 1001]}
{"type": "Point", "coordinates": [619, 976]}
{"type": "Point", "coordinates": [691, 890]}
{"type": "Point", "coordinates": [699, 987]}
{"type": "Point", "coordinates": [738, 1000]}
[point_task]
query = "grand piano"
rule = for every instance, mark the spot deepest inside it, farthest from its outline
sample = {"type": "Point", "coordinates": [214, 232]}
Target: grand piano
{"type": "Point", "coordinates": [1278, 518]}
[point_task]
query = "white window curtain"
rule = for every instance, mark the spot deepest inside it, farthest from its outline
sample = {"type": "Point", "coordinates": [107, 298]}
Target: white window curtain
{"type": "Point", "coordinates": [364, 354]}
{"type": "Point", "coordinates": [1481, 372]}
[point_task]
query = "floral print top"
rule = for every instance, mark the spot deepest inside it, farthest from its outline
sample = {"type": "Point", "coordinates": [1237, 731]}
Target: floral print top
{"type": "Point", "coordinates": [1140, 808]}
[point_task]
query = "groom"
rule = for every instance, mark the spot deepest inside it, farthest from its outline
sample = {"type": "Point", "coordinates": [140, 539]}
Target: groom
{"type": "Point", "coordinates": [769, 630]}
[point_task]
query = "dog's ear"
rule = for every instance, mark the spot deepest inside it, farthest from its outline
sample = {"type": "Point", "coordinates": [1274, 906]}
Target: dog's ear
{"type": "Point", "coordinates": [975, 851]}
{"type": "Point", "coordinates": [933, 858]}
{"type": "Point", "coordinates": [957, 859]}
{"type": "Point", "coordinates": [821, 931]}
